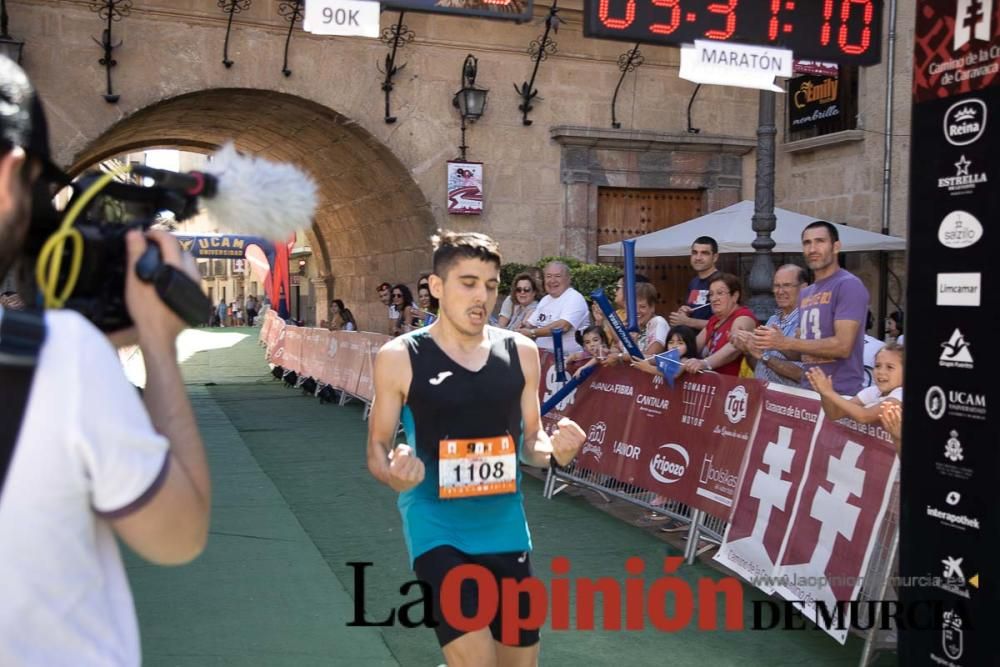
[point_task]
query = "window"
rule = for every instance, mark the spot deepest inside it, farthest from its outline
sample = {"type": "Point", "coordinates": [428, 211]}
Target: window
{"type": "Point", "coordinates": [821, 104]}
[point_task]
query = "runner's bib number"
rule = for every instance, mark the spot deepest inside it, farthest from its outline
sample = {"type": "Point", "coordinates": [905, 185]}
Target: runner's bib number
{"type": "Point", "coordinates": [477, 467]}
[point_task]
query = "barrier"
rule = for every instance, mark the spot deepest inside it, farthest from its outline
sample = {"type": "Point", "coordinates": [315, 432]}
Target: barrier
{"type": "Point", "coordinates": [343, 360]}
{"type": "Point", "coordinates": [755, 469]}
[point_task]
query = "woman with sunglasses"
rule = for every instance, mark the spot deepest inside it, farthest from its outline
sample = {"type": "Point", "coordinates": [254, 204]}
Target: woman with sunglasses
{"type": "Point", "coordinates": [409, 319]}
{"type": "Point", "coordinates": [524, 298]}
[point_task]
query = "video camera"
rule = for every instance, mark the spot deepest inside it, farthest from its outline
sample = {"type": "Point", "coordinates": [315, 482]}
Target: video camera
{"type": "Point", "coordinates": [81, 259]}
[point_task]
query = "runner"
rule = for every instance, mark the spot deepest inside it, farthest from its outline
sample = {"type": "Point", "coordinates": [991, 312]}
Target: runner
{"type": "Point", "coordinates": [466, 391]}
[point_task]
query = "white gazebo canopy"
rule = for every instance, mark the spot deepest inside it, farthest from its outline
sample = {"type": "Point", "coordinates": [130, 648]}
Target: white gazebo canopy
{"type": "Point", "coordinates": [731, 228]}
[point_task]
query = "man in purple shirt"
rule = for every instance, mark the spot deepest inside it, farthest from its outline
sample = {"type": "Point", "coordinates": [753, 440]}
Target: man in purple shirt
{"type": "Point", "coordinates": [831, 315]}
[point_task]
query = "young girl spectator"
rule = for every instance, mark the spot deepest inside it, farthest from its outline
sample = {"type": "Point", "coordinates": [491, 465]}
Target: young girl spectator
{"type": "Point", "coordinates": [682, 339]}
{"type": "Point", "coordinates": [865, 407]}
{"type": "Point", "coordinates": [595, 348]}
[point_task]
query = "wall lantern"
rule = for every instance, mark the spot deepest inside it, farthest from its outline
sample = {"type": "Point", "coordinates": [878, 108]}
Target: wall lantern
{"type": "Point", "coordinates": [470, 100]}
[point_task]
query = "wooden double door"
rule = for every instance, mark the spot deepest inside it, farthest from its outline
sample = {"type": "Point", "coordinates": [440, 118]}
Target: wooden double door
{"type": "Point", "coordinates": [624, 213]}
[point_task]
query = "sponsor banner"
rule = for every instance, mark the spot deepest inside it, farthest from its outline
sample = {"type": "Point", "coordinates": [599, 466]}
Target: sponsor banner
{"type": "Point", "coordinates": [951, 463]}
{"type": "Point", "coordinates": [640, 431]}
{"type": "Point", "coordinates": [313, 351]}
{"type": "Point", "coordinates": [835, 525]}
{"type": "Point", "coordinates": [957, 50]}
{"type": "Point", "coordinates": [292, 359]}
{"type": "Point", "coordinates": [772, 476]}
{"type": "Point", "coordinates": [812, 100]}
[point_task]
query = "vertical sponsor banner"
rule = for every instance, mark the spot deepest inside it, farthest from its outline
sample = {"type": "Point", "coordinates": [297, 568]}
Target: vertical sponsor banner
{"type": "Point", "coordinates": [834, 529]}
{"type": "Point", "coordinates": [313, 351]}
{"type": "Point", "coordinates": [330, 374]}
{"type": "Point", "coordinates": [949, 454]}
{"type": "Point", "coordinates": [265, 328]}
{"type": "Point", "coordinates": [771, 480]}
{"type": "Point", "coordinates": [276, 347]}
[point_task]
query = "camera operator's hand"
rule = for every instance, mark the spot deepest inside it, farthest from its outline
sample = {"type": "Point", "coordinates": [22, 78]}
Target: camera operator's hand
{"type": "Point", "coordinates": [155, 323]}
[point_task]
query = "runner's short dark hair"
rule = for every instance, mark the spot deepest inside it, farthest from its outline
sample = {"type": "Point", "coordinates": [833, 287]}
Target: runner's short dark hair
{"type": "Point", "coordinates": [449, 247]}
{"type": "Point", "coordinates": [829, 226]}
{"type": "Point", "coordinates": [707, 240]}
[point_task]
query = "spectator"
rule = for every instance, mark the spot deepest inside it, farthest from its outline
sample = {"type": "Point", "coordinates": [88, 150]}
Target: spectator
{"type": "Point", "coordinates": [653, 329]}
{"type": "Point", "coordinates": [423, 281]}
{"type": "Point", "coordinates": [251, 306]}
{"type": "Point", "coordinates": [341, 318]}
{"type": "Point", "coordinates": [596, 314]}
{"type": "Point", "coordinates": [720, 355]}
{"type": "Point", "coordinates": [872, 346]}
{"type": "Point", "coordinates": [894, 327]}
{"type": "Point", "coordinates": [525, 294]}
{"type": "Point", "coordinates": [11, 301]}
{"type": "Point", "coordinates": [237, 313]}
{"type": "Point", "coordinates": [384, 291]}
{"type": "Point", "coordinates": [562, 308]}
{"type": "Point", "coordinates": [595, 348]}
{"type": "Point", "coordinates": [773, 366]}
{"type": "Point", "coordinates": [865, 407]}
{"type": "Point", "coordinates": [428, 305]}
{"type": "Point", "coordinates": [683, 339]}
{"type": "Point", "coordinates": [831, 313]}
{"type": "Point", "coordinates": [220, 313]}
{"type": "Point", "coordinates": [891, 416]}
{"type": "Point", "coordinates": [697, 311]}
{"type": "Point", "coordinates": [402, 299]}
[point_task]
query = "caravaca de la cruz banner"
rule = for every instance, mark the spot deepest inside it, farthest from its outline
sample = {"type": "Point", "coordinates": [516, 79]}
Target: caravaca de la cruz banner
{"type": "Point", "coordinates": [805, 498]}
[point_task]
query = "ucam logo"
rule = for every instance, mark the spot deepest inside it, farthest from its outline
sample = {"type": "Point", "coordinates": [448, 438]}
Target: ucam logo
{"type": "Point", "coordinates": [965, 122]}
{"type": "Point", "coordinates": [669, 463]}
{"type": "Point", "coordinates": [736, 404]}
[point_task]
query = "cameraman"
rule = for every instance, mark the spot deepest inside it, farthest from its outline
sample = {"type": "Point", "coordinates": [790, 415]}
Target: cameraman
{"type": "Point", "coordinates": [90, 462]}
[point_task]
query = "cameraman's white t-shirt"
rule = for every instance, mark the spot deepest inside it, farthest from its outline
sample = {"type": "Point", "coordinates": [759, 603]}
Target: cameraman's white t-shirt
{"type": "Point", "coordinates": [86, 449]}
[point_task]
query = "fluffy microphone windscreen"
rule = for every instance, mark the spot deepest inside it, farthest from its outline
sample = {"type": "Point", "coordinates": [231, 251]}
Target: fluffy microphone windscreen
{"type": "Point", "coordinates": [259, 197]}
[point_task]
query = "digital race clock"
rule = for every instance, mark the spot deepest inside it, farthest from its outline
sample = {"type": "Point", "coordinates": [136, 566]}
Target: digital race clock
{"type": "Point", "coordinates": [842, 31]}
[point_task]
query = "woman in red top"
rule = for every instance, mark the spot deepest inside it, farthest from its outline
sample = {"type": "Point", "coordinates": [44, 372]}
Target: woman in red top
{"type": "Point", "coordinates": [718, 353]}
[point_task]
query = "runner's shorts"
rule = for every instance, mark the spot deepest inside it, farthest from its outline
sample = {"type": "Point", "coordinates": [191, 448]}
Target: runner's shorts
{"type": "Point", "coordinates": [433, 565]}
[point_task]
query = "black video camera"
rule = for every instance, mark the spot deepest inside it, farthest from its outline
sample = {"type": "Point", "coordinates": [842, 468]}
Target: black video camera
{"type": "Point", "coordinates": [91, 252]}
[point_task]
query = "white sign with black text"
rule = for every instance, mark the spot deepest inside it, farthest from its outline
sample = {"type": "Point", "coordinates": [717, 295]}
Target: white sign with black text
{"type": "Point", "coordinates": [348, 18]}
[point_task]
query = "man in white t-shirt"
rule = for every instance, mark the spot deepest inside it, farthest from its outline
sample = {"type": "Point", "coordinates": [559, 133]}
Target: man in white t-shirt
{"type": "Point", "coordinates": [562, 308]}
{"type": "Point", "coordinates": [89, 462]}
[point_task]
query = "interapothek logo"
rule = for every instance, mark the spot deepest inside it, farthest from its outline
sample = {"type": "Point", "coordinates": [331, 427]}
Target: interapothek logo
{"type": "Point", "coordinates": [965, 122]}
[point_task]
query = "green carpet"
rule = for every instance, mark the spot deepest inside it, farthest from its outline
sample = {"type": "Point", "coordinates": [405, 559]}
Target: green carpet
{"type": "Point", "coordinates": [294, 503]}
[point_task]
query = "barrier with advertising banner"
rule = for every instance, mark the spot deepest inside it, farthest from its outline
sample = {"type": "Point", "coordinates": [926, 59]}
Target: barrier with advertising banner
{"type": "Point", "coordinates": [806, 499]}
{"type": "Point", "coordinates": [340, 359]}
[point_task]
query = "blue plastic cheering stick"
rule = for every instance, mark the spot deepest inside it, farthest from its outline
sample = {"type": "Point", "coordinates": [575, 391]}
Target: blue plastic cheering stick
{"type": "Point", "coordinates": [557, 348]}
{"type": "Point", "coordinates": [667, 363]}
{"type": "Point", "coordinates": [615, 322]}
{"type": "Point", "coordinates": [633, 318]}
{"type": "Point", "coordinates": [566, 390]}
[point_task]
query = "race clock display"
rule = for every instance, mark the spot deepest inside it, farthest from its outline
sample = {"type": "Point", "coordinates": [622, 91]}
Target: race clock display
{"type": "Point", "coordinates": [842, 31]}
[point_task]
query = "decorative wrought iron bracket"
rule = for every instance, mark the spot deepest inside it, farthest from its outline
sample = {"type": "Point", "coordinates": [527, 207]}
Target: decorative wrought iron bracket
{"type": "Point", "coordinates": [691, 128]}
{"type": "Point", "coordinates": [539, 50]}
{"type": "Point", "coordinates": [231, 7]}
{"type": "Point", "coordinates": [396, 36]}
{"type": "Point", "coordinates": [112, 11]}
{"type": "Point", "coordinates": [291, 11]}
{"type": "Point", "coordinates": [627, 62]}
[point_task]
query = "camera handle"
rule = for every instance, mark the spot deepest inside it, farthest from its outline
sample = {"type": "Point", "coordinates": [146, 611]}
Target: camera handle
{"type": "Point", "coordinates": [181, 294]}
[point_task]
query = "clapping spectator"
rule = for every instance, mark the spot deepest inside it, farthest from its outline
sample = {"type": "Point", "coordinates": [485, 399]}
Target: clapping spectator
{"type": "Point", "coordinates": [865, 407]}
{"type": "Point", "coordinates": [728, 316]}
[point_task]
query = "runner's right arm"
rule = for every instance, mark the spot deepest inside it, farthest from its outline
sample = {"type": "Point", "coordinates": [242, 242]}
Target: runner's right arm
{"type": "Point", "coordinates": [393, 465]}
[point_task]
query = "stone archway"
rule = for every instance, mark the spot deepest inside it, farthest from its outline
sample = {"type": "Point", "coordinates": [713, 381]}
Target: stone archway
{"type": "Point", "coordinates": [373, 221]}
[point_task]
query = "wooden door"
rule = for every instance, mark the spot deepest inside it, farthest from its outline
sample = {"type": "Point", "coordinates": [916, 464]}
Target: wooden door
{"type": "Point", "coordinates": [624, 213]}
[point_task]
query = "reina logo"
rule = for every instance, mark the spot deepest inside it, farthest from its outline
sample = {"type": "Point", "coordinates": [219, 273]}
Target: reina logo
{"type": "Point", "coordinates": [965, 122]}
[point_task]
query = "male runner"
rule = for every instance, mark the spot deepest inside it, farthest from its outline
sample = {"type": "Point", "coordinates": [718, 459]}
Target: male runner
{"type": "Point", "coordinates": [469, 397]}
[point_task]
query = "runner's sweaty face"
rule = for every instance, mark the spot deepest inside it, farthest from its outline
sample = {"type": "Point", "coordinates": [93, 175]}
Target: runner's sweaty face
{"type": "Point", "coordinates": [467, 294]}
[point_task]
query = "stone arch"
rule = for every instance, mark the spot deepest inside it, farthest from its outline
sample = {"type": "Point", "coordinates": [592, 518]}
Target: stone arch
{"type": "Point", "coordinates": [373, 221]}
